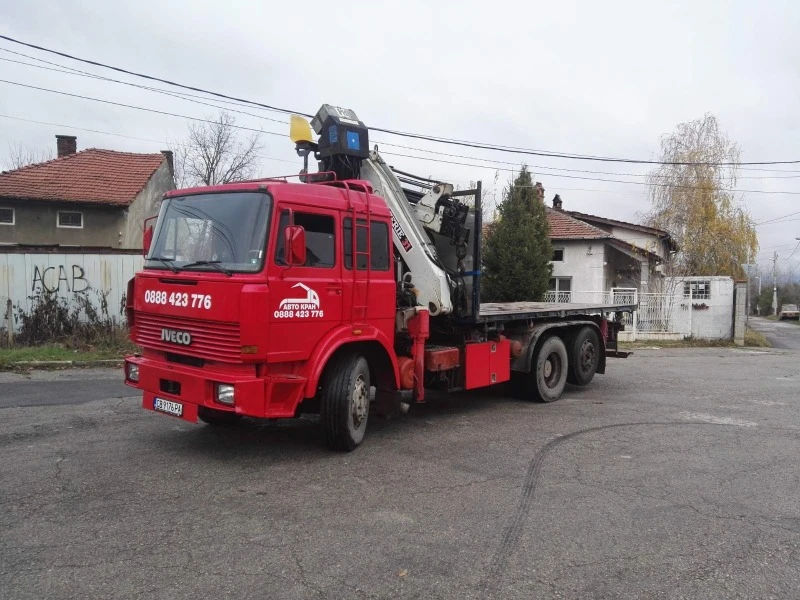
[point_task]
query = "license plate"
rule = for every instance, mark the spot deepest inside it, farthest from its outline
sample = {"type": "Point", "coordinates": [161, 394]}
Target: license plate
{"type": "Point", "coordinates": [167, 406]}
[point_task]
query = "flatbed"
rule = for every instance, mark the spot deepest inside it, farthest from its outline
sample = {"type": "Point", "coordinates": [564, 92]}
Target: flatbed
{"type": "Point", "coordinates": [511, 311]}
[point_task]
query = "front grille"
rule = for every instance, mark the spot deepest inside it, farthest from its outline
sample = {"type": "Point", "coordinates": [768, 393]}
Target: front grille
{"type": "Point", "coordinates": [212, 340]}
{"type": "Point", "coordinates": [192, 361]}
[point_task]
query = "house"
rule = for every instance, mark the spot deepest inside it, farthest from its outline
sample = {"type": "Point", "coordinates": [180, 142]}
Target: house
{"type": "Point", "coordinates": [594, 254]}
{"type": "Point", "coordinates": [95, 197]}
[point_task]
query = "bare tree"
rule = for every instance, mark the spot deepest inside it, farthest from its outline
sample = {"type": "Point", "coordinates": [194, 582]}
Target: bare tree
{"type": "Point", "coordinates": [20, 155]}
{"type": "Point", "coordinates": [214, 153]}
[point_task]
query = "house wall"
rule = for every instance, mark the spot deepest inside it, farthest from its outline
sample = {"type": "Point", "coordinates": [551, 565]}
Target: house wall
{"type": "Point", "coordinates": [639, 238]}
{"type": "Point", "coordinates": [35, 223]}
{"type": "Point", "coordinates": [583, 262]}
{"type": "Point", "coordinates": [146, 204]}
{"type": "Point", "coordinates": [68, 274]}
{"type": "Point", "coordinates": [670, 314]}
{"type": "Point", "coordinates": [713, 322]}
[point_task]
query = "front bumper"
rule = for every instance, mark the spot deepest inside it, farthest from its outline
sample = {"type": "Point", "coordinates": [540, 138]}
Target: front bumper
{"type": "Point", "coordinates": [193, 387]}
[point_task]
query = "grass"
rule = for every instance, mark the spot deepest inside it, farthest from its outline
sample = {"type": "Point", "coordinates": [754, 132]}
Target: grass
{"type": "Point", "coordinates": [755, 339]}
{"type": "Point", "coordinates": [752, 338]}
{"type": "Point", "coordinates": [685, 343]}
{"type": "Point", "coordinates": [60, 352]}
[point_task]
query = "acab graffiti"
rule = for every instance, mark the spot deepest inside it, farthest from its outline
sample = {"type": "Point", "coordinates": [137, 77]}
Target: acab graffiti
{"type": "Point", "coordinates": [60, 279]}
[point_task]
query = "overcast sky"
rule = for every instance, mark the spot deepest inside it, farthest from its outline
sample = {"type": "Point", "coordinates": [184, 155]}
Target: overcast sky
{"type": "Point", "coordinates": [586, 77]}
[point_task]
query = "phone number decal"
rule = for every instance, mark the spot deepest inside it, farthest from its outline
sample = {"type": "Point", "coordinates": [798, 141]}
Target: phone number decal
{"type": "Point", "coordinates": [178, 299]}
{"type": "Point", "coordinates": [298, 314]}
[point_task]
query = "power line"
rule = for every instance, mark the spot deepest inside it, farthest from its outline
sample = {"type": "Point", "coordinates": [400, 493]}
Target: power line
{"type": "Point", "coordinates": [777, 219]}
{"type": "Point", "coordinates": [180, 96]}
{"type": "Point", "coordinates": [465, 143]}
{"type": "Point", "coordinates": [192, 98]}
{"type": "Point", "coordinates": [272, 158]}
{"type": "Point", "coordinates": [171, 114]}
{"type": "Point", "coordinates": [130, 137]}
{"type": "Point", "coordinates": [152, 110]}
{"type": "Point", "coordinates": [644, 183]}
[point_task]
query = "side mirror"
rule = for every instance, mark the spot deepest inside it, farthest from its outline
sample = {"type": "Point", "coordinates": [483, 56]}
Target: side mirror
{"type": "Point", "coordinates": [294, 243]}
{"type": "Point", "coordinates": [147, 236]}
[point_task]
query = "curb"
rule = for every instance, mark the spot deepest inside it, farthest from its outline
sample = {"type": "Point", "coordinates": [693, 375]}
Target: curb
{"type": "Point", "coordinates": [51, 365]}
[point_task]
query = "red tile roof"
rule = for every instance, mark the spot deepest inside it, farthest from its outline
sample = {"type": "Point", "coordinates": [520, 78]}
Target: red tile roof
{"type": "Point", "coordinates": [564, 227]}
{"type": "Point", "coordinates": [88, 177]}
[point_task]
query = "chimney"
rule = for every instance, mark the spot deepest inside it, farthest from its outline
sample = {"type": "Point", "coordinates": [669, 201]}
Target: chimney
{"type": "Point", "coordinates": [557, 204]}
{"type": "Point", "coordinates": [66, 145]}
{"type": "Point", "coordinates": [170, 161]}
{"type": "Point", "coordinates": [538, 190]}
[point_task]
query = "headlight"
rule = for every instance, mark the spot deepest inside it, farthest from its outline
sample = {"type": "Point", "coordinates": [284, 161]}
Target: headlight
{"type": "Point", "coordinates": [132, 372]}
{"type": "Point", "coordinates": [225, 394]}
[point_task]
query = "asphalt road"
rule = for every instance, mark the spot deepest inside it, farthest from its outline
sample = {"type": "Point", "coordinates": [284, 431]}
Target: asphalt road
{"type": "Point", "coordinates": [781, 334]}
{"type": "Point", "coordinates": [674, 476]}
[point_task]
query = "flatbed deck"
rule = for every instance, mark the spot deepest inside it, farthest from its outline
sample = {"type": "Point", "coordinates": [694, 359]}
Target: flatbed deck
{"type": "Point", "coordinates": [509, 311]}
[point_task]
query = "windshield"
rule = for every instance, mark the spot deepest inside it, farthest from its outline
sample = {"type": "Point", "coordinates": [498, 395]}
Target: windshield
{"type": "Point", "coordinates": [211, 232]}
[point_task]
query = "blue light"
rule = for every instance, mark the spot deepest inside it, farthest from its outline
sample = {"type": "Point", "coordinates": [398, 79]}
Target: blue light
{"type": "Point", "coordinates": [353, 140]}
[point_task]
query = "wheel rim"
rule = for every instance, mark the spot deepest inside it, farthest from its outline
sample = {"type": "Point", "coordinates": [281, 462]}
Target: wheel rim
{"type": "Point", "coordinates": [588, 356]}
{"type": "Point", "coordinates": [359, 401]}
{"type": "Point", "coordinates": [552, 370]}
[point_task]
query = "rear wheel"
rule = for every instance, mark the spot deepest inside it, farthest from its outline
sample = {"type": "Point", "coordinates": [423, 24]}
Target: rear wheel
{"type": "Point", "coordinates": [344, 402]}
{"type": "Point", "coordinates": [551, 370]}
{"type": "Point", "coordinates": [584, 357]}
{"type": "Point", "coordinates": [212, 416]}
{"type": "Point", "coordinates": [548, 374]}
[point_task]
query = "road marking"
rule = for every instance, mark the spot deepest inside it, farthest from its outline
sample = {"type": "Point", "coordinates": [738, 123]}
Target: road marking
{"type": "Point", "coordinates": [705, 418]}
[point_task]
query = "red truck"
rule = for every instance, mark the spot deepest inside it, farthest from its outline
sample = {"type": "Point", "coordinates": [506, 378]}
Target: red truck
{"type": "Point", "coordinates": [342, 294]}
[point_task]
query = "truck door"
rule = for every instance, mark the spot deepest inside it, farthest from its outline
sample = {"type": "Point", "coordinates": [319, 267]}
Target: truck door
{"type": "Point", "coordinates": [306, 300]}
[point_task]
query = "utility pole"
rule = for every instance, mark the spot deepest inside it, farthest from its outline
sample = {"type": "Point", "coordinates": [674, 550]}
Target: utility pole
{"type": "Point", "coordinates": [775, 284]}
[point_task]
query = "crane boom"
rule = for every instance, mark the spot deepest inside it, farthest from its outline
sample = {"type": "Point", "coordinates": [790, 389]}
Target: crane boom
{"type": "Point", "coordinates": [410, 240]}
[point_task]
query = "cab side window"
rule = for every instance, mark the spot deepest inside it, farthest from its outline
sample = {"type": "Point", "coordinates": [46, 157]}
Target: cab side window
{"type": "Point", "coordinates": [379, 242]}
{"type": "Point", "coordinates": [320, 239]}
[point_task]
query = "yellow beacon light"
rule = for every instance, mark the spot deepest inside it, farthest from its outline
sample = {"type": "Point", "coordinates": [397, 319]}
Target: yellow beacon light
{"type": "Point", "coordinates": [300, 130]}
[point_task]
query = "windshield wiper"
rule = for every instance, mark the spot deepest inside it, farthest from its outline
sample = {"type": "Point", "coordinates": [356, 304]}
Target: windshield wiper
{"type": "Point", "coordinates": [167, 262]}
{"type": "Point", "coordinates": [210, 263]}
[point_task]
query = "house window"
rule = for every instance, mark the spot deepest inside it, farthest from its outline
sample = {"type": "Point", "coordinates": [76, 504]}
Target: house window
{"type": "Point", "coordinates": [558, 255]}
{"type": "Point", "coordinates": [697, 290]}
{"type": "Point", "coordinates": [72, 220]}
{"type": "Point", "coordinates": [6, 216]}
{"type": "Point", "coordinates": [561, 289]}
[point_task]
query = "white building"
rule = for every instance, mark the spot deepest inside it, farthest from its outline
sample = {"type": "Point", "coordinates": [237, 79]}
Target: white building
{"type": "Point", "coordinates": [594, 254]}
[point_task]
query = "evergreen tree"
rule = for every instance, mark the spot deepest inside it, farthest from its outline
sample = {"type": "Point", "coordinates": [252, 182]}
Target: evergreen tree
{"type": "Point", "coordinates": [517, 249]}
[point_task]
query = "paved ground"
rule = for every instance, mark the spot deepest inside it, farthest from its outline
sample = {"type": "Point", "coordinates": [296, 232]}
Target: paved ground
{"type": "Point", "coordinates": [674, 476]}
{"type": "Point", "coordinates": [781, 334]}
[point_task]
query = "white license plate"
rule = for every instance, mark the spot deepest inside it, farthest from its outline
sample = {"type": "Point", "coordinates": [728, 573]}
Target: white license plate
{"type": "Point", "coordinates": [167, 406]}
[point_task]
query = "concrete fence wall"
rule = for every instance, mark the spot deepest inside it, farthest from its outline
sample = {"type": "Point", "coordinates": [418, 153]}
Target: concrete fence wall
{"type": "Point", "coordinates": [68, 274]}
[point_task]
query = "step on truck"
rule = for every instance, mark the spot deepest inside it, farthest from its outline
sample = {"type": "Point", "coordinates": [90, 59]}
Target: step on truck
{"type": "Point", "coordinates": [347, 292]}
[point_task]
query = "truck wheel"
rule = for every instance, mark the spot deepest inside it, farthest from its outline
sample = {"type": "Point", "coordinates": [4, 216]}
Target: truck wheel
{"type": "Point", "coordinates": [344, 402]}
{"type": "Point", "coordinates": [584, 357]}
{"type": "Point", "coordinates": [212, 416]}
{"type": "Point", "coordinates": [550, 375]}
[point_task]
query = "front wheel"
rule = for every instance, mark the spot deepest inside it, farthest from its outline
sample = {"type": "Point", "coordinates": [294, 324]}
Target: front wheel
{"type": "Point", "coordinates": [344, 402]}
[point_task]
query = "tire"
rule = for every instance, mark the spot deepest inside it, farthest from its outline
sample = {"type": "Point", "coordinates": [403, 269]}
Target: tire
{"type": "Point", "coordinates": [584, 356]}
{"type": "Point", "coordinates": [212, 416]}
{"type": "Point", "coordinates": [344, 402]}
{"type": "Point", "coordinates": [550, 374]}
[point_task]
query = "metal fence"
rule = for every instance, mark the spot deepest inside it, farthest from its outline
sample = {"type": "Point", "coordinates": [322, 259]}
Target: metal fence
{"type": "Point", "coordinates": [613, 296]}
{"type": "Point", "coordinates": [663, 315]}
